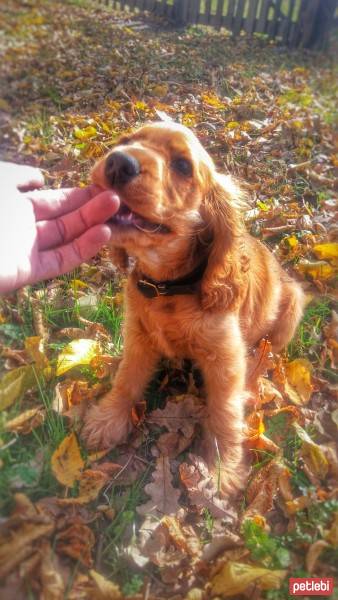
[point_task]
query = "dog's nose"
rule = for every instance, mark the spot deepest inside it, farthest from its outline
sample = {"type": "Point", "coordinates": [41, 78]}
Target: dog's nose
{"type": "Point", "coordinates": [121, 168]}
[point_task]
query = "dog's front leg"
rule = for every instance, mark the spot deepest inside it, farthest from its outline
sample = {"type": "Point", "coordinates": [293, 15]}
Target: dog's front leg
{"type": "Point", "coordinates": [109, 423]}
{"type": "Point", "coordinates": [223, 369]}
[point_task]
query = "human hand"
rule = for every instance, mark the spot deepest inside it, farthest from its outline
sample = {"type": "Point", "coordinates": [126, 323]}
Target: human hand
{"type": "Point", "coordinates": [45, 233]}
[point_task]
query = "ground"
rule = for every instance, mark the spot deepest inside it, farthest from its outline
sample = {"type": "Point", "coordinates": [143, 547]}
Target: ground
{"type": "Point", "coordinates": [145, 521]}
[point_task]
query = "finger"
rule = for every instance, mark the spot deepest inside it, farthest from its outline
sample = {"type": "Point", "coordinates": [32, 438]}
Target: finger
{"type": "Point", "coordinates": [53, 263]}
{"type": "Point", "coordinates": [23, 177]}
{"type": "Point", "coordinates": [66, 228]}
{"type": "Point", "coordinates": [49, 204]}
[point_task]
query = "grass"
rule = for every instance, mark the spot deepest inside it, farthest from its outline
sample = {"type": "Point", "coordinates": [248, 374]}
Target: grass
{"type": "Point", "coordinates": [307, 341]}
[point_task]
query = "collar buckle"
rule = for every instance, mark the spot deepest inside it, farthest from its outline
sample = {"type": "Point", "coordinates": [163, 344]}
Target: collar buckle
{"type": "Point", "coordinates": [151, 290]}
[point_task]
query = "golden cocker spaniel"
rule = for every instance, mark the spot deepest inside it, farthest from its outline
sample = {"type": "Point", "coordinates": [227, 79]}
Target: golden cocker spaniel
{"type": "Point", "coordinates": [202, 287]}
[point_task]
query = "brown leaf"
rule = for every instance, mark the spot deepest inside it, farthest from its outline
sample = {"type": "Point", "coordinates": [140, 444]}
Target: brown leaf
{"type": "Point", "coordinates": [179, 416]}
{"type": "Point", "coordinates": [263, 488]}
{"type": "Point", "coordinates": [163, 496]}
{"type": "Point", "coordinates": [313, 554]}
{"type": "Point", "coordinates": [20, 533]}
{"type": "Point", "coordinates": [172, 443]}
{"type": "Point", "coordinates": [77, 541]}
{"type": "Point", "coordinates": [202, 490]}
{"type": "Point", "coordinates": [26, 421]}
{"type": "Point", "coordinates": [52, 584]}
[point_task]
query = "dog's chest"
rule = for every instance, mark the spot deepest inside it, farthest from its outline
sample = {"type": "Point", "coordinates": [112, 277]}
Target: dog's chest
{"type": "Point", "coordinates": [169, 324]}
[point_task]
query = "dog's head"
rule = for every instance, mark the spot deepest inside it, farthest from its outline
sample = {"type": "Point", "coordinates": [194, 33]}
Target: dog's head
{"type": "Point", "coordinates": [173, 203]}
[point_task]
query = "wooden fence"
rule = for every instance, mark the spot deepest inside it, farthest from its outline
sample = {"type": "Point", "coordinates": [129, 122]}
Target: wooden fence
{"type": "Point", "coordinates": [294, 22]}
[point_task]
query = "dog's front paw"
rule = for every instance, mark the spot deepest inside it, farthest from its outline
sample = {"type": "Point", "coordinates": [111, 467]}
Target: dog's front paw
{"type": "Point", "coordinates": [106, 425]}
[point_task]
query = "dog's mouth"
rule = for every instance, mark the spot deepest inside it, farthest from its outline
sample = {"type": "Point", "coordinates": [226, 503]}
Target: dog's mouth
{"type": "Point", "coordinates": [125, 217]}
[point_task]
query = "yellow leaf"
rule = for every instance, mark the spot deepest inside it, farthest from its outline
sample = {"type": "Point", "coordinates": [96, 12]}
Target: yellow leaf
{"type": "Point", "coordinates": [189, 120]}
{"type": "Point", "coordinates": [105, 590]}
{"type": "Point", "coordinates": [212, 100]}
{"type": "Point", "coordinates": [326, 251]}
{"type": "Point", "coordinates": [291, 241]}
{"type": "Point", "coordinates": [160, 90]}
{"type": "Point", "coordinates": [35, 351]}
{"type": "Point", "coordinates": [14, 384]}
{"type": "Point", "coordinates": [297, 504]}
{"type": "Point", "coordinates": [233, 125]}
{"type": "Point", "coordinates": [235, 577]}
{"type": "Point", "coordinates": [298, 373]}
{"type": "Point", "coordinates": [90, 484]}
{"type": "Point", "coordinates": [312, 454]}
{"type": "Point", "coordinates": [4, 105]}
{"type": "Point", "coordinates": [67, 463]}
{"type": "Point", "coordinates": [316, 269]}
{"type": "Point", "coordinates": [139, 105]}
{"type": "Point", "coordinates": [86, 133]}
{"type": "Point", "coordinates": [78, 352]}
{"type": "Point", "coordinates": [27, 421]}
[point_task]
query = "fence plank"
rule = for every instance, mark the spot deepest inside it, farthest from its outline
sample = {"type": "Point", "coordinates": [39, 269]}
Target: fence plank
{"type": "Point", "coordinates": [273, 23]}
{"type": "Point", "coordinates": [228, 19]}
{"type": "Point", "coordinates": [219, 14]}
{"type": "Point", "coordinates": [249, 23]}
{"type": "Point", "coordinates": [239, 17]}
{"type": "Point", "coordinates": [307, 26]}
{"type": "Point", "coordinates": [288, 22]}
{"type": "Point", "coordinates": [207, 11]}
{"type": "Point", "coordinates": [194, 10]}
{"type": "Point", "coordinates": [263, 17]}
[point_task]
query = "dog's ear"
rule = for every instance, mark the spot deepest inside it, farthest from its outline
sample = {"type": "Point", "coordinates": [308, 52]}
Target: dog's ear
{"type": "Point", "coordinates": [222, 283]}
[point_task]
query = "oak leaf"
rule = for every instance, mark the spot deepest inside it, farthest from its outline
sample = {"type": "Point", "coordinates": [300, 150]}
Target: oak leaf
{"type": "Point", "coordinates": [163, 496]}
{"type": "Point", "coordinates": [202, 489]}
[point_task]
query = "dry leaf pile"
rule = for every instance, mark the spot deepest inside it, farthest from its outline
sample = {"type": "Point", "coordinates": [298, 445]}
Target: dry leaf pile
{"type": "Point", "coordinates": [146, 521]}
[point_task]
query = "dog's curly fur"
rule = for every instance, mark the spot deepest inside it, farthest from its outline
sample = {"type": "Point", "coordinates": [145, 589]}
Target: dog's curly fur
{"type": "Point", "coordinates": [243, 296]}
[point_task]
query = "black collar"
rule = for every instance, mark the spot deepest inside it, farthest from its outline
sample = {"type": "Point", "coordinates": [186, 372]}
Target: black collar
{"type": "Point", "coordinates": [151, 288]}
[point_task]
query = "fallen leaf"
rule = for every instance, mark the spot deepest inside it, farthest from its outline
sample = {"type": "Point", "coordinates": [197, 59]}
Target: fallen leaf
{"type": "Point", "coordinates": [77, 541]}
{"type": "Point", "coordinates": [67, 463]}
{"type": "Point", "coordinates": [235, 577]}
{"type": "Point", "coordinates": [77, 352]}
{"type": "Point", "coordinates": [316, 269]}
{"type": "Point", "coordinates": [90, 484]}
{"type": "Point", "coordinates": [326, 251]}
{"type": "Point", "coordinates": [104, 589]}
{"type": "Point", "coordinates": [86, 133]}
{"type": "Point", "coordinates": [163, 496]}
{"type": "Point", "coordinates": [299, 380]}
{"type": "Point", "coordinates": [52, 584]}
{"type": "Point", "coordinates": [312, 454]}
{"type": "Point", "coordinates": [181, 415]}
{"type": "Point", "coordinates": [202, 489]}
{"type": "Point", "coordinates": [263, 488]}
{"type": "Point", "coordinates": [26, 421]}
{"type": "Point", "coordinates": [313, 554]}
{"type": "Point", "coordinates": [35, 349]}
{"type": "Point", "coordinates": [21, 533]}
{"type": "Point", "coordinates": [15, 383]}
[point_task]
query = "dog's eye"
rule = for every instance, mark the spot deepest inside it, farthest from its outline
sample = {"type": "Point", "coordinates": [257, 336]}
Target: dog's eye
{"type": "Point", "coordinates": [183, 166]}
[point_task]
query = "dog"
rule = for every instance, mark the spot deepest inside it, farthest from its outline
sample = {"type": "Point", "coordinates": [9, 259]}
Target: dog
{"type": "Point", "coordinates": [201, 288]}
